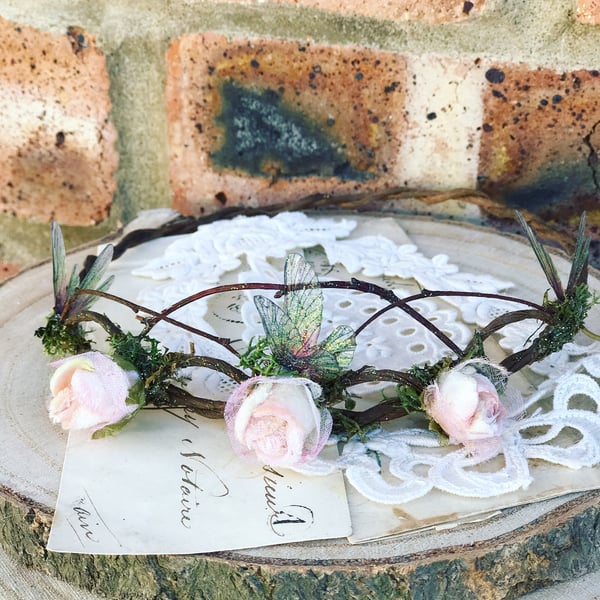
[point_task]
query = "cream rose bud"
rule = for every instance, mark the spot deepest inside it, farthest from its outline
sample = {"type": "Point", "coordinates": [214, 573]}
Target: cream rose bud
{"type": "Point", "coordinates": [275, 421]}
{"type": "Point", "coordinates": [89, 391]}
{"type": "Point", "coordinates": [466, 406]}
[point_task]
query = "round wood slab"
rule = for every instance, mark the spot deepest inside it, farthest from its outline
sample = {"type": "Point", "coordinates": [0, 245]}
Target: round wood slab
{"type": "Point", "coordinates": [506, 556]}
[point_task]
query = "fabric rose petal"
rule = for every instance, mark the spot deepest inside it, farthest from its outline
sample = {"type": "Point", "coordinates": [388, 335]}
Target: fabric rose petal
{"type": "Point", "coordinates": [275, 421]}
{"type": "Point", "coordinates": [468, 408]}
{"type": "Point", "coordinates": [90, 391]}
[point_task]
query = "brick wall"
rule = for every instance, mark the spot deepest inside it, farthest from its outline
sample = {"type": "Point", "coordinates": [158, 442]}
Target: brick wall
{"type": "Point", "coordinates": [112, 106]}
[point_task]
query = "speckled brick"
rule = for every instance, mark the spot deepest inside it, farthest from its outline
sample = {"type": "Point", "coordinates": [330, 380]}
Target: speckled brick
{"type": "Point", "coordinates": [440, 149]}
{"type": "Point", "coordinates": [263, 121]}
{"type": "Point", "coordinates": [588, 11]}
{"type": "Point", "coordinates": [56, 141]}
{"type": "Point", "coordinates": [540, 139]}
{"type": "Point", "coordinates": [8, 269]}
{"type": "Point", "coordinates": [430, 11]}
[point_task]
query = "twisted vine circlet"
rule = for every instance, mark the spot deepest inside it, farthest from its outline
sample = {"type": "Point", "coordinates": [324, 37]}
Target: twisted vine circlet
{"type": "Point", "coordinates": [251, 249]}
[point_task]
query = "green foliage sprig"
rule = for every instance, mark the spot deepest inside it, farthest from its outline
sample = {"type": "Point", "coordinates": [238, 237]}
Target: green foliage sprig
{"type": "Point", "coordinates": [259, 359]}
{"type": "Point", "coordinates": [63, 333]}
{"type": "Point", "coordinates": [148, 359]}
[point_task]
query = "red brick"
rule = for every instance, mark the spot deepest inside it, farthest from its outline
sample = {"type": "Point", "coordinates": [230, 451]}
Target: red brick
{"type": "Point", "coordinates": [352, 96]}
{"type": "Point", "coordinates": [540, 138]}
{"type": "Point", "coordinates": [56, 142]}
{"type": "Point", "coordinates": [430, 11]}
{"type": "Point", "coordinates": [8, 269]}
{"type": "Point", "coordinates": [588, 11]}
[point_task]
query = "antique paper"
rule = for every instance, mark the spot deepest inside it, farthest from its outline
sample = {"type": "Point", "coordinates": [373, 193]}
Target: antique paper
{"type": "Point", "coordinates": [169, 483]}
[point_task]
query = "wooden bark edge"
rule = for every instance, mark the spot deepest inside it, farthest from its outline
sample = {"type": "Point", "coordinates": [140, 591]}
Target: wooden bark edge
{"type": "Point", "coordinates": [558, 546]}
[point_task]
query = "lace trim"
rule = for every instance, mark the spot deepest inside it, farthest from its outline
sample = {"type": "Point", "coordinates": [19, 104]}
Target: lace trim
{"type": "Point", "coordinates": [392, 466]}
{"type": "Point", "coordinates": [416, 465]}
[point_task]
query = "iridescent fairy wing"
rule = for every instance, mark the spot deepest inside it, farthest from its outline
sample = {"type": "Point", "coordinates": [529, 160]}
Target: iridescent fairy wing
{"type": "Point", "coordinates": [92, 280]}
{"type": "Point", "coordinates": [272, 318]}
{"type": "Point", "coordinates": [333, 355]}
{"type": "Point", "coordinates": [303, 306]}
{"type": "Point", "coordinates": [341, 343]}
{"type": "Point", "coordinates": [59, 275]}
{"type": "Point", "coordinates": [293, 329]}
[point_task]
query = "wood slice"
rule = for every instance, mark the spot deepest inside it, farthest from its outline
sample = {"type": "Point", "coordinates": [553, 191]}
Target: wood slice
{"type": "Point", "coordinates": [520, 550]}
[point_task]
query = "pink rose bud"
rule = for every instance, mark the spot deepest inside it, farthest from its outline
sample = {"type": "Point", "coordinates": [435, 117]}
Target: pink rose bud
{"type": "Point", "coordinates": [275, 421]}
{"type": "Point", "coordinates": [89, 391]}
{"type": "Point", "coordinates": [466, 406]}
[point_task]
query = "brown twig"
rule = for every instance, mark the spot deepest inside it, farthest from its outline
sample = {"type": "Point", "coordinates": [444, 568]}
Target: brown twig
{"type": "Point", "coordinates": [138, 308]}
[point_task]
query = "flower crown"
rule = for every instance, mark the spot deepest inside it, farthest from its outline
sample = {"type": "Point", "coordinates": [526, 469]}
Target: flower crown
{"type": "Point", "coordinates": [294, 385]}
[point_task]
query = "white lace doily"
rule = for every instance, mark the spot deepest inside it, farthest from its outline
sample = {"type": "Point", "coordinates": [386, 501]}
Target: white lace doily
{"type": "Point", "coordinates": [561, 423]}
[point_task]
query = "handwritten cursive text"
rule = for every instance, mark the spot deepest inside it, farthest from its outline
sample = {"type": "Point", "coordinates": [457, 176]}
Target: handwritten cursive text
{"type": "Point", "coordinates": [197, 478]}
{"type": "Point", "coordinates": [281, 518]}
